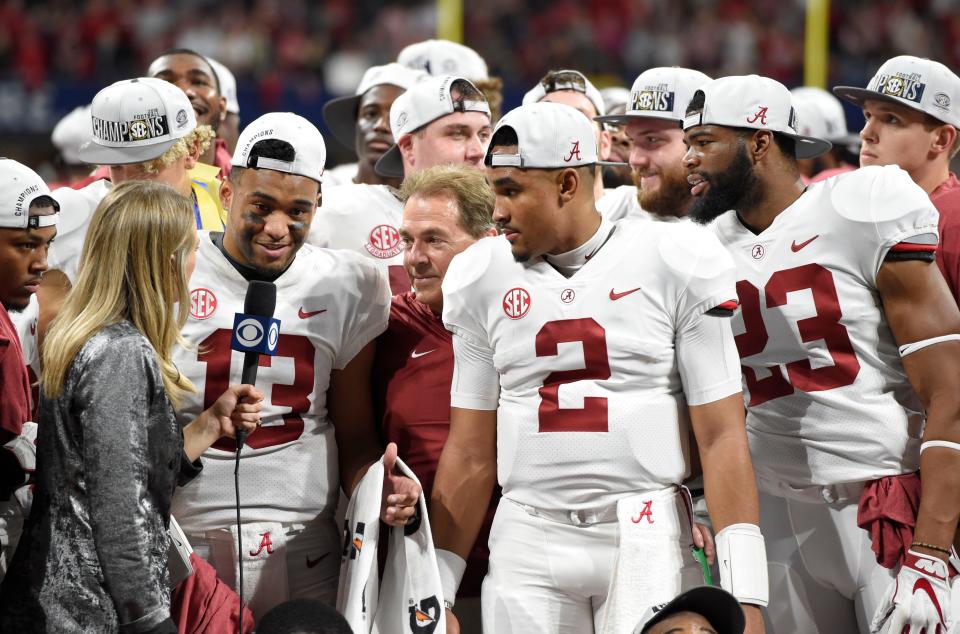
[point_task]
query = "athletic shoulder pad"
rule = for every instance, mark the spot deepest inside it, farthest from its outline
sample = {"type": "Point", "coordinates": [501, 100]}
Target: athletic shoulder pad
{"type": "Point", "coordinates": [877, 194]}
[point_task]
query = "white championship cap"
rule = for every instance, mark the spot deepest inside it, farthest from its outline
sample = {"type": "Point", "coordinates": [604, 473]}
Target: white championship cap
{"type": "Point", "coordinates": [137, 120]}
{"type": "Point", "coordinates": [820, 114]}
{"type": "Point", "coordinates": [660, 93]}
{"type": "Point", "coordinates": [549, 136]}
{"type": "Point", "coordinates": [917, 83]}
{"type": "Point", "coordinates": [341, 113]}
{"type": "Point", "coordinates": [755, 102]}
{"type": "Point", "coordinates": [425, 102]}
{"type": "Point", "coordinates": [443, 57]}
{"type": "Point", "coordinates": [310, 152]}
{"type": "Point", "coordinates": [565, 80]}
{"type": "Point", "coordinates": [228, 85]}
{"type": "Point", "coordinates": [71, 132]}
{"type": "Point", "coordinates": [20, 186]}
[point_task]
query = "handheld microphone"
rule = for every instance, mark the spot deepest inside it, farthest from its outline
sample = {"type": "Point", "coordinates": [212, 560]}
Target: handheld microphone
{"type": "Point", "coordinates": [255, 332]}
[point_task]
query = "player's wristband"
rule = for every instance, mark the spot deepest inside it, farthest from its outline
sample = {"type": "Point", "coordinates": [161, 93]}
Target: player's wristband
{"type": "Point", "coordinates": [946, 444]}
{"type": "Point", "coordinates": [451, 567]}
{"type": "Point", "coordinates": [742, 558]}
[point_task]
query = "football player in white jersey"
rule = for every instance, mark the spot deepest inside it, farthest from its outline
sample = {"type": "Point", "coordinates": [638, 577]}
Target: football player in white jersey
{"type": "Point", "coordinates": [437, 121]}
{"type": "Point", "coordinates": [584, 350]}
{"type": "Point", "coordinates": [658, 100]}
{"type": "Point", "coordinates": [317, 429]}
{"type": "Point", "coordinates": [833, 278]}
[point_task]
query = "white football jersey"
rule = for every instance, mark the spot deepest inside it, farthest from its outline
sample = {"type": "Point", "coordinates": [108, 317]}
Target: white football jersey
{"type": "Point", "coordinates": [25, 321]}
{"type": "Point", "coordinates": [340, 175]}
{"type": "Point", "coordinates": [330, 304]}
{"type": "Point", "coordinates": [828, 401]}
{"type": "Point", "coordinates": [365, 219]}
{"type": "Point", "coordinates": [76, 211]}
{"type": "Point", "coordinates": [592, 385]}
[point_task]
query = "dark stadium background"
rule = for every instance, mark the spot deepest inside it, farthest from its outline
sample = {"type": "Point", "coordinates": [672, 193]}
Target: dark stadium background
{"type": "Point", "coordinates": [295, 55]}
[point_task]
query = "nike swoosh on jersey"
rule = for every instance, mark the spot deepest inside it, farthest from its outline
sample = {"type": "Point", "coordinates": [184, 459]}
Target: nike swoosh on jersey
{"type": "Point", "coordinates": [615, 295]}
{"type": "Point", "coordinates": [313, 562]}
{"type": "Point", "coordinates": [796, 247]}
{"type": "Point", "coordinates": [304, 315]}
{"type": "Point", "coordinates": [417, 355]}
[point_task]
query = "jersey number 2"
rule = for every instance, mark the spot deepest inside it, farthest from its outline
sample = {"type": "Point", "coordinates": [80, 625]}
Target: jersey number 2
{"type": "Point", "coordinates": [591, 335]}
{"type": "Point", "coordinates": [215, 351]}
{"type": "Point", "coordinates": [825, 325]}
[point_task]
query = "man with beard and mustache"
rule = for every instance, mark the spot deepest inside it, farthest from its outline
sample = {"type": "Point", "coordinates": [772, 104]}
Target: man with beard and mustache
{"type": "Point", "coordinates": [317, 430]}
{"type": "Point", "coordinates": [658, 99]}
{"type": "Point", "coordinates": [585, 351]}
{"type": "Point", "coordinates": [437, 121]}
{"type": "Point", "coordinates": [193, 73]}
{"type": "Point", "coordinates": [848, 342]}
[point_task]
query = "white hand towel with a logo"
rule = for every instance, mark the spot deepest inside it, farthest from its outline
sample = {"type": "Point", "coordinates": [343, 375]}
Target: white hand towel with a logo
{"type": "Point", "coordinates": [264, 565]}
{"type": "Point", "coordinates": [358, 589]}
{"type": "Point", "coordinates": [411, 598]}
{"type": "Point", "coordinates": [654, 563]}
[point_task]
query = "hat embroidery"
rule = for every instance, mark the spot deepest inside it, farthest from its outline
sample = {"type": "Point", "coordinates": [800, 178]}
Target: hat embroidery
{"type": "Point", "coordinates": [574, 151]}
{"type": "Point", "coordinates": [137, 129]}
{"type": "Point", "coordinates": [907, 87]}
{"type": "Point", "coordinates": [657, 99]}
{"type": "Point", "coordinates": [761, 116]}
{"type": "Point", "coordinates": [182, 118]}
{"type": "Point", "coordinates": [942, 100]}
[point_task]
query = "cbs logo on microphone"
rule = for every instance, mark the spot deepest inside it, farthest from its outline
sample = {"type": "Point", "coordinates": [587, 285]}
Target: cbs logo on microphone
{"type": "Point", "coordinates": [253, 333]}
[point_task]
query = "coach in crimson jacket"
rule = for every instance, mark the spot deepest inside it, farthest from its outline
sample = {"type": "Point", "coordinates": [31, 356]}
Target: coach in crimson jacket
{"type": "Point", "coordinates": [447, 208]}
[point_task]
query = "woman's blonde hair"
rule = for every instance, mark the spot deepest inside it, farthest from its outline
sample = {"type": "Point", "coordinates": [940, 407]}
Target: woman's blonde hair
{"type": "Point", "coordinates": [202, 136]}
{"type": "Point", "coordinates": [133, 267]}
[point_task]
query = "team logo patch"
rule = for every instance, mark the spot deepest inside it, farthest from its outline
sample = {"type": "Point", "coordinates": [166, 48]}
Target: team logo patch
{"type": "Point", "coordinates": [203, 303]}
{"type": "Point", "coordinates": [516, 303]}
{"type": "Point", "coordinates": [574, 151]}
{"type": "Point", "coordinates": [645, 512]}
{"type": "Point", "coordinates": [760, 116]}
{"type": "Point", "coordinates": [757, 252]}
{"type": "Point", "coordinates": [425, 616]}
{"type": "Point", "coordinates": [900, 85]}
{"type": "Point", "coordinates": [401, 120]}
{"type": "Point", "coordinates": [567, 295]}
{"type": "Point", "coordinates": [653, 99]}
{"type": "Point", "coordinates": [181, 118]}
{"type": "Point", "coordinates": [384, 242]}
{"type": "Point", "coordinates": [942, 100]}
{"type": "Point", "coordinates": [265, 544]}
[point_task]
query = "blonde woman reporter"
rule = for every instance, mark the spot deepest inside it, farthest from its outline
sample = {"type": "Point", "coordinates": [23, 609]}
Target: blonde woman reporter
{"type": "Point", "coordinates": [110, 452]}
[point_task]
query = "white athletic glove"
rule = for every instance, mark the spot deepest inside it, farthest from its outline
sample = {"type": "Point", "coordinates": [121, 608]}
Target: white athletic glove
{"type": "Point", "coordinates": [918, 599]}
{"type": "Point", "coordinates": [24, 449]}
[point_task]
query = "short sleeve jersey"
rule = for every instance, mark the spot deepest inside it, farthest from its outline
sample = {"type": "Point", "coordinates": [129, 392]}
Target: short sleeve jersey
{"type": "Point", "coordinates": [592, 400]}
{"type": "Point", "coordinates": [330, 305]}
{"type": "Point", "coordinates": [827, 398]}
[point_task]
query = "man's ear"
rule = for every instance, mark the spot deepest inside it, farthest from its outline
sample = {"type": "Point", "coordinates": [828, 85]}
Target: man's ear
{"type": "Point", "coordinates": [568, 181]}
{"type": "Point", "coordinates": [491, 232]}
{"type": "Point", "coordinates": [759, 144]}
{"type": "Point", "coordinates": [223, 109]}
{"type": "Point", "coordinates": [226, 194]}
{"type": "Point", "coordinates": [193, 153]}
{"type": "Point", "coordinates": [405, 143]}
{"type": "Point", "coordinates": [943, 140]}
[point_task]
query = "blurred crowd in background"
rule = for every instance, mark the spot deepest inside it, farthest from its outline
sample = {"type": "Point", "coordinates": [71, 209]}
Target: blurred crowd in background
{"type": "Point", "coordinates": [295, 55]}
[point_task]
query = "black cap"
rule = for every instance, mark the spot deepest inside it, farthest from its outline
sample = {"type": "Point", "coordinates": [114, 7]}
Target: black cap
{"type": "Point", "coordinates": [718, 606]}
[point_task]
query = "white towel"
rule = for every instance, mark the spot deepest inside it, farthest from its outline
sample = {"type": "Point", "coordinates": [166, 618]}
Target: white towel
{"type": "Point", "coordinates": [410, 598]}
{"type": "Point", "coordinates": [264, 575]}
{"type": "Point", "coordinates": [654, 563]}
{"type": "Point", "coordinates": [357, 592]}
